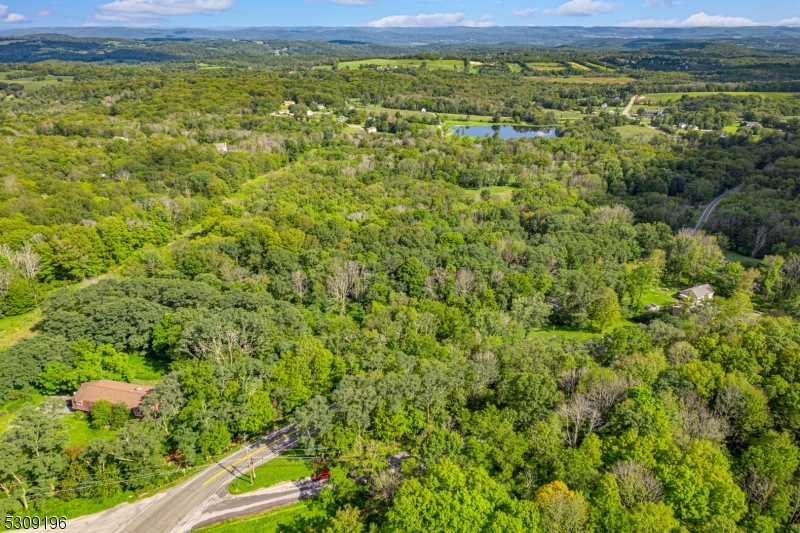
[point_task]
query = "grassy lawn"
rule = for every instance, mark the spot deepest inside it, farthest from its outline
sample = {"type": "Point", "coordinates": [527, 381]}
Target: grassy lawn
{"type": "Point", "coordinates": [732, 128]}
{"type": "Point", "coordinates": [280, 469]}
{"type": "Point", "coordinates": [300, 517]}
{"type": "Point", "coordinates": [14, 328]}
{"type": "Point", "coordinates": [148, 370]}
{"type": "Point", "coordinates": [80, 506]}
{"type": "Point", "coordinates": [81, 433]}
{"type": "Point", "coordinates": [667, 97]}
{"type": "Point", "coordinates": [514, 67]}
{"type": "Point", "coordinates": [748, 262]}
{"type": "Point", "coordinates": [563, 332]}
{"type": "Point", "coordinates": [662, 297]}
{"type": "Point", "coordinates": [637, 133]}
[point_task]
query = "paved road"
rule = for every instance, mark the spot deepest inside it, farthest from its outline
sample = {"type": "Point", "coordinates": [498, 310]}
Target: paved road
{"type": "Point", "coordinates": [181, 508]}
{"type": "Point", "coordinates": [710, 209]}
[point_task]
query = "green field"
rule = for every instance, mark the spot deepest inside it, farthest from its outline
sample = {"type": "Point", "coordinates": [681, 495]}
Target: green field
{"type": "Point", "coordinates": [440, 64]}
{"type": "Point", "coordinates": [748, 262]}
{"type": "Point", "coordinates": [545, 66]}
{"type": "Point", "coordinates": [300, 517]}
{"type": "Point", "coordinates": [514, 67]}
{"type": "Point", "coordinates": [671, 97]}
{"type": "Point", "coordinates": [584, 79]}
{"type": "Point", "coordinates": [637, 133]}
{"type": "Point", "coordinates": [14, 328]}
{"type": "Point", "coordinates": [599, 67]}
{"type": "Point", "coordinates": [578, 66]}
{"type": "Point", "coordinates": [499, 192]}
{"type": "Point", "coordinates": [280, 469]}
{"type": "Point", "coordinates": [662, 297]}
{"type": "Point", "coordinates": [81, 433]}
{"type": "Point", "coordinates": [31, 85]}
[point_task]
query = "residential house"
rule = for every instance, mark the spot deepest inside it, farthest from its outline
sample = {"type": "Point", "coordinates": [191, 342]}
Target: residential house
{"type": "Point", "coordinates": [603, 105]}
{"type": "Point", "coordinates": [371, 129]}
{"type": "Point", "coordinates": [284, 112]}
{"type": "Point", "coordinates": [221, 147]}
{"type": "Point", "coordinates": [309, 113]}
{"type": "Point", "coordinates": [652, 308]}
{"type": "Point", "coordinates": [340, 119]}
{"type": "Point", "coordinates": [424, 110]}
{"type": "Point", "coordinates": [288, 102]}
{"type": "Point", "coordinates": [113, 391]}
{"type": "Point", "coordinates": [750, 124]}
{"type": "Point", "coordinates": [697, 294]}
{"type": "Point", "coordinates": [320, 107]}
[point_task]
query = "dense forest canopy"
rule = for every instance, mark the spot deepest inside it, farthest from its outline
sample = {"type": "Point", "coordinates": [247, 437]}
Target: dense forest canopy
{"type": "Point", "coordinates": [237, 239]}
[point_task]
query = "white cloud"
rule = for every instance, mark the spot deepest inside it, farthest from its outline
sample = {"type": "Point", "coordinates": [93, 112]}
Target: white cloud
{"type": "Point", "coordinates": [524, 13]}
{"type": "Point", "coordinates": [794, 21]}
{"type": "Point", "coordinates": [435, 20]}
{"type": "Point", "coordinates": [661, 3]}
{"type": "Point", "coordinates": [139, 10]}
{"type": "Point", "coordinates": [5, 16]}
{"type": "Point", "coordinates": [698, 20]}
{"type": "Point", "coordinates": [581, 8]}
{"type": "Point", "coordinates": [43, 13]}
{"type": "Point", "coordinates": [701, 19]}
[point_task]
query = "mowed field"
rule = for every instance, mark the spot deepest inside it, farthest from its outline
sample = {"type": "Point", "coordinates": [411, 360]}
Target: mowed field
{"type": "Point", "coordinates": [545, 66]}
{"type": "Point", "coordinates": [583, 79]}
{"type": "Point", "coordinates": [671, 97]}
{"type": "Point", "coordinates": [637, 133]}
{"type": "Point", "coordinates": [440, 64]}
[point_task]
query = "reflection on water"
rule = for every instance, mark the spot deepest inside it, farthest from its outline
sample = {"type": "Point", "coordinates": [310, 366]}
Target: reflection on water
{"type": "Point", "coordinates": [506, 132]}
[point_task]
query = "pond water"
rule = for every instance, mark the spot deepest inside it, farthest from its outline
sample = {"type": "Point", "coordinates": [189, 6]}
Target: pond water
{"type": "Point", "coordinates": [506, 132]}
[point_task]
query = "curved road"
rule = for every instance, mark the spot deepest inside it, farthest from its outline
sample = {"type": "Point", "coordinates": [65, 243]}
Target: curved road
{"type": "Point", "coordinates": [710, 209]}
{"type": "Point", "coordinates": [203, 499]}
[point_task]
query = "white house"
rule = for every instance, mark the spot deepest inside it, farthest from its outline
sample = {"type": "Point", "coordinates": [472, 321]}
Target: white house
{"type": "Point", "coordinates": [697, 294]}
{"type": "Point", "coordinates": [309, 113]}
{"type": "Point", "coordinates": [371, 129]}
{"type": "Point", "coordinates": [320, 107]}
{"type": "Point", "coordinates": [288, 102]}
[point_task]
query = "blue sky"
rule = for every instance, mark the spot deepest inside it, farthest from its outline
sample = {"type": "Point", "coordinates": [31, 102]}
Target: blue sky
{"type": "Point", "coordinates": [378, 13]}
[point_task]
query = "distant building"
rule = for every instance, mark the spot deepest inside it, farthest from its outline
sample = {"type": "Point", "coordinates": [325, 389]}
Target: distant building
{"type": "Point", "coordinates": [113, 391]}
{"type": "Point", "coordinates": [340, 119]}
{"type": "Point", "coordinates": [309, 113]}
{"type": "Point", "coordinates": [697, 294]}
{"type": "Point", "coordinates": [424, 110]}
{"type": "Point", "coordinates": [288, 102]}
{"type": "Point", "coordinates": [683, 125]}
{"type": "Point", "coordinates": [221, 147]}
{"type": "Point", "coordinates": [554, 302]}
{"type": "Point", "coordinates": [753, 124]}
{"type": "Point", "coordinates": [652, 308]}
{"type": "Point", "coordinates": [658, 113]}
{"type": "Point", "coordinates": [284, 112]}
{"type": "Point", "coordinates": [320, 107]}
{"type": "Point", "coordinates": [603, 105]}
{"type": "Point", "coordinates": [371, 129]}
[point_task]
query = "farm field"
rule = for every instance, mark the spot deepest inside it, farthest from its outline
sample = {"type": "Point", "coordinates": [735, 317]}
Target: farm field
{"type": "Point", "coordinates": [671, 97]}
{"type": "Point", "coordinates": [31, 85]}
{"type": "Point", "coordinates": [637, 133]}
{"type": "Point", "coordinates": [578, 66]}
{"type": "Point", "coordinates": [546, 66]}
{"type": "Point", "coordinates": [441, 64]}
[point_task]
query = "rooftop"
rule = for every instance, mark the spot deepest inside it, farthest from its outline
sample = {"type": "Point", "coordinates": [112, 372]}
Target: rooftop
{"type": "Point", "coordinates": [113, 391]}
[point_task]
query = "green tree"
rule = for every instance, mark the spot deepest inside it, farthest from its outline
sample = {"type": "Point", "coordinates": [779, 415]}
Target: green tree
{"type": "Point", "coordinates": [101, 414]}
{"type": "Point", "coordinates": [605, 310]}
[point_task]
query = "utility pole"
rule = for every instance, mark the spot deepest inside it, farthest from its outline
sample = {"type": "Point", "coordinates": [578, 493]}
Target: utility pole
{"type": "Point", "coordinates": [252, 473]}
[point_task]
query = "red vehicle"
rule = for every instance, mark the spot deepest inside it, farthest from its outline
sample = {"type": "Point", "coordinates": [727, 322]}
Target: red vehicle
{"type": "Point", "coordinates": [321, 475]}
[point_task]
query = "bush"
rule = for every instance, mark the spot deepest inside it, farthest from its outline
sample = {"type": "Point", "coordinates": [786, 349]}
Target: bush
{"type": "Point", "coordinates": [102, 413]}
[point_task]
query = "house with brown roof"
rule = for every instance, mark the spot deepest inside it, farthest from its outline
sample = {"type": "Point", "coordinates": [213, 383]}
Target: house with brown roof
{"type": "Point", "coordinates": [130, 394]}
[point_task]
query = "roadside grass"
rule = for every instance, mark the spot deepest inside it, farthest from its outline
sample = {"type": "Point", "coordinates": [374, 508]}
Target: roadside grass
{"type": "Point", "coordinates": [667, 97]}
{"type": "Point", "coordinates": [81, 433]}
{"type": "Point", "coordinates": [746, 261]}
{"type": "Point", "coordinates": [14, 328]}
{"type": "Point", "coordinates": [79, 506]}
{"type": "Point", "coordinates": [308, 515]}
{"type": "Point", "coordinates": [283, 468]}
{"type": "Point", "coordinates": [638, 134]}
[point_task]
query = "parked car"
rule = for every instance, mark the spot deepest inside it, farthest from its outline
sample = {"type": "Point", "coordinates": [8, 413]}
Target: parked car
{"type": "Point", "coordinates": [321, 475]}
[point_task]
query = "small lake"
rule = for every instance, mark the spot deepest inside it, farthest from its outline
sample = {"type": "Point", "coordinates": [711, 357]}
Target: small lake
{"type": "Point", "coordinates": [505, 132]}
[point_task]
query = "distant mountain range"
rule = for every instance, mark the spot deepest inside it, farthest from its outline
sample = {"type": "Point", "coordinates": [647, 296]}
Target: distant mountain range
{"type": "Point", "coordinates": [525, 35]}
